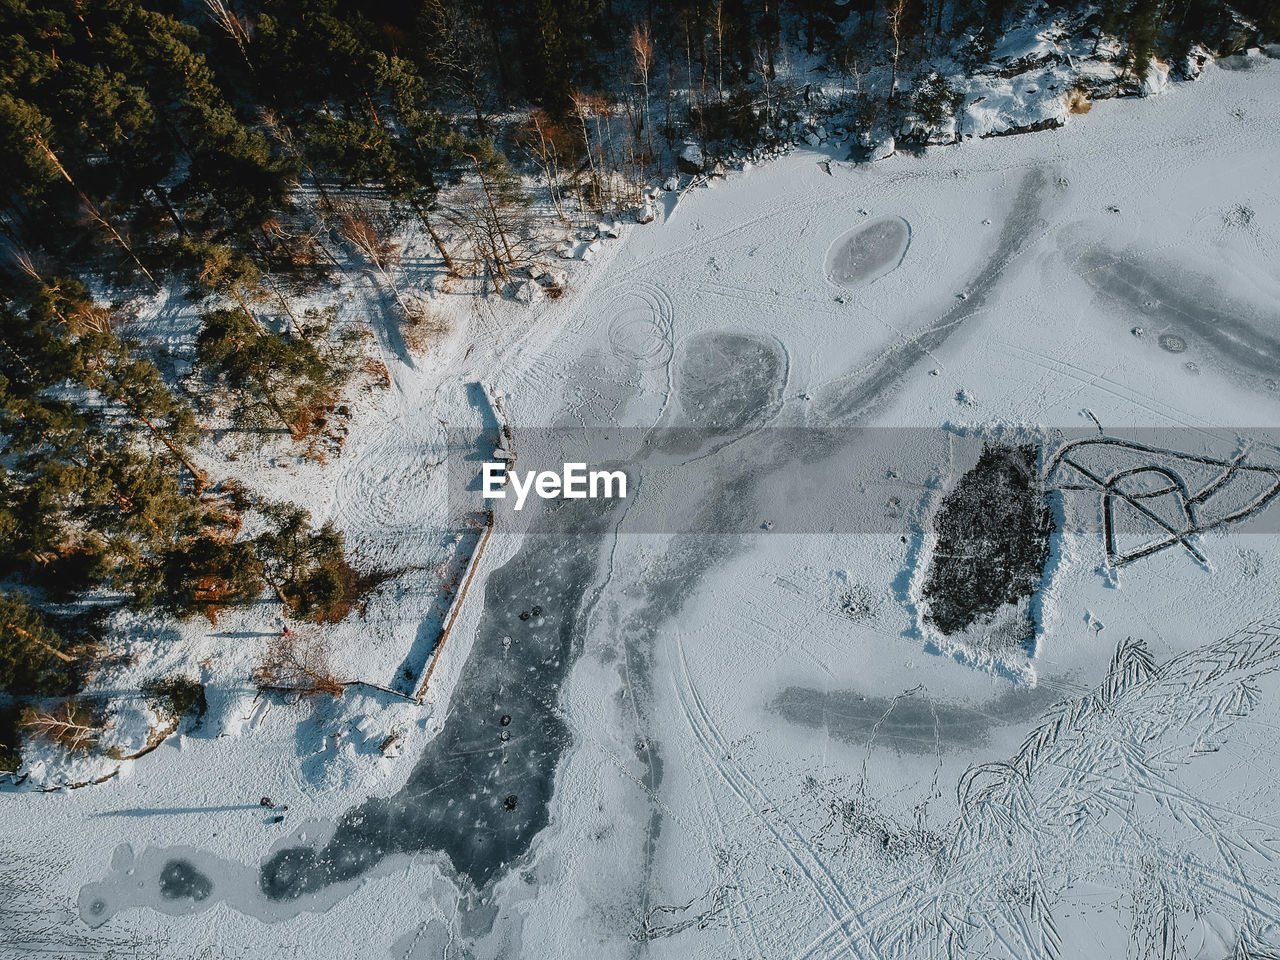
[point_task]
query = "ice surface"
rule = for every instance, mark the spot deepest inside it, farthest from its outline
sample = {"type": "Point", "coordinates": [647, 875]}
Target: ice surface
{"type": "Point", "coordinates": [868, 252]}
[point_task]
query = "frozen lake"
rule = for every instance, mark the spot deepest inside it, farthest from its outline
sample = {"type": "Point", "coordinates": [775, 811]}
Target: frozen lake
{"type": "Point", "coordinates": [713, 721]}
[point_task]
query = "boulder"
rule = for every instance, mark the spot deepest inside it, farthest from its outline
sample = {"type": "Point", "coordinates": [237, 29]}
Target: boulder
{"type": "Point", "coordinates": [882, 149]}
{"type": "Point", "coordinates": [529, 291]}
{"type": "Point", "coordinates": [690, 159]}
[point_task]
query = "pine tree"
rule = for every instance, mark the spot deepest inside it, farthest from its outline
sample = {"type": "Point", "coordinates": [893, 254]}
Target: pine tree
{"type": "Point", "coordinates": [32, 658]}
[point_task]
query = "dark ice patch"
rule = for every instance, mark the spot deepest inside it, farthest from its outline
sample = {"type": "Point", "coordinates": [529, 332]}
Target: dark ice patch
{"type": "Point", "coordinates": [992, 540]}
{"type": "Point", "coordinates": [180, 880]}
{"type": "Point", "coordinates": [910, 723]}
{"type": "Point", "coordinates": [1240, 335]}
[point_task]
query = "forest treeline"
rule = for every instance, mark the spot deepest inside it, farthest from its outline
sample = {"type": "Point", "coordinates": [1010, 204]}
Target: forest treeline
{"type": "Point", "coordinates": [243, 151]}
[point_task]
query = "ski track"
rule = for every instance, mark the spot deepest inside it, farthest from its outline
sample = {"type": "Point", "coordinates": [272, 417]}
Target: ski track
{"type": "Point", "coordinates": [709, 741]}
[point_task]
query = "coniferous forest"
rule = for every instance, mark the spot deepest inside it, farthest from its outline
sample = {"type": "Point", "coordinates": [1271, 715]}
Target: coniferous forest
{"type": "Point", "coordinates": [240, 154]}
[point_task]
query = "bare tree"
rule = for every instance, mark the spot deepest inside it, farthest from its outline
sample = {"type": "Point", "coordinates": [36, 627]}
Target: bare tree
{"type": "Point", "coordinates": [764, 67]}
{"type": "Point", "coordinates": [69, 724]}
{"type": "Point", "coordinates": [894, 13]}
{"type": "Point", "coordinates": [361, 227]}
{"type": "Point", "coordinates": [488, 210]}
{"type": "Point", "coordinates": [461, 52]}
{"type": "Point", "coordinates": [718, 26]}
{"type": "Point", "coordinates": [542, 144]}
{"type": "Point", "coordinates": [642, 52]}
{"type": "Point", "coordinates": [582, 106]}
{"type": "Point", "coordinates": [297, 665]}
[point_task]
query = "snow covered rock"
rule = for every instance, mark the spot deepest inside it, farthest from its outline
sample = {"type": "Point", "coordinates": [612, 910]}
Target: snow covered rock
{"type": "Point", "coordinates": [1157, 79]}
{"type": "Point", "coordinates": [882, 149]}
{"type": "Point", "coordinates": [530, 291]}
{"type": "Point", "coordinates": [690, 159]}
{"type": "Point", "coordinates": [643, 213]}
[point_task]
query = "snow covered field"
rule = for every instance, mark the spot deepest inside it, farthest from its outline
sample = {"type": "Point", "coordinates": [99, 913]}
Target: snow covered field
{"type": "Point", "coordinates": [751, 744]}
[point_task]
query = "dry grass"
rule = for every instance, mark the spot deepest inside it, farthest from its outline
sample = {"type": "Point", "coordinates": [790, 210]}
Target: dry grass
{"type": "Point", "coordinates": [1078, 101]}
{"type": "Point", "coordinates": [425, 328]}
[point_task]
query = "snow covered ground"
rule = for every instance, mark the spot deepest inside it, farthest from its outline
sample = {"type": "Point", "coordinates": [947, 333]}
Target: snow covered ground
{"type": "Point", "coordinates": [748, 744]}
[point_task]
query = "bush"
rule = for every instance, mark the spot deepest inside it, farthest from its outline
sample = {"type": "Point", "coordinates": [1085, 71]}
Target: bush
{"type": "Point", "coordinates": [307, 567]}
{"type": "Point", "coordinates": [934, 99]}
{"type": "Point", "coordinates": [172, 698]}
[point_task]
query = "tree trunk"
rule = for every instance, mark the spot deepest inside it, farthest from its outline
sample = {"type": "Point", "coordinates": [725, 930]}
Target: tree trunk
{"type": "Point", "coordinates": [65, 658]}
{"type": "Point", "coordinates": [163, 196]}
{"type": "Point", "coordinates": [435, 237]}
{"type": "Point", "coordinates": [94, 212]}
{"type": "Point", "coordinates": [239, 298]}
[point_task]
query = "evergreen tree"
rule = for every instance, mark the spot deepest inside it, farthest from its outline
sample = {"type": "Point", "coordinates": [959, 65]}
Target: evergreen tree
{"type": "Point", "coordinates": [32, 658]}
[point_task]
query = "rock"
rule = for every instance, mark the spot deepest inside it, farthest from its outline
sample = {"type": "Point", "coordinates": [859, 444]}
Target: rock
{"type": "Point", "coordinates": [530, 291]}
{"type": "Point", "coordinates": [719, 170]}
{"type": "Point", "coordinates": [552, 282]}
{"type": "Point", "coordinates": [690, 159]}
{"type": "Point", "coordinates": [644, 212]}
{"type": "Point", "coordinates": [812, 139]}
{"type": "Point", "coordinates": [882, 149]}
{"type": "Point", "coordinates": [672, 183]}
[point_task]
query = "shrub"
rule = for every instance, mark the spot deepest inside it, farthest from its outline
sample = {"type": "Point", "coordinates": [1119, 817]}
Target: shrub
{"type": "Point", "coordinates": [172, 698]}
